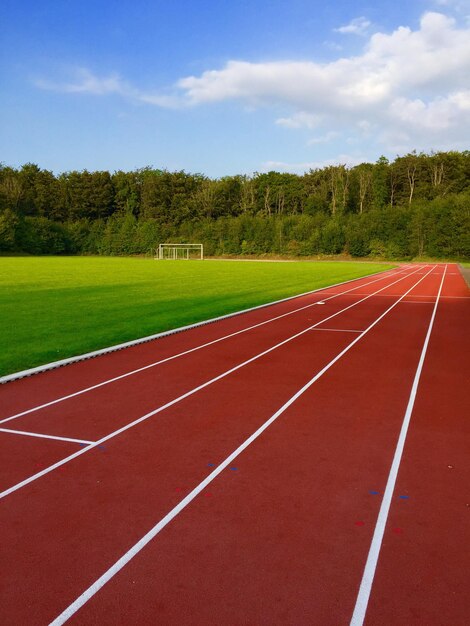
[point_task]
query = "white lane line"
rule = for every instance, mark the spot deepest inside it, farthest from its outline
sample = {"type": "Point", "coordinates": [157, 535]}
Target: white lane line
{"type": "Point", "coordinates": [180, 354]}
{"type": "Point", "coordinates": [42, 436]}
{"type": "Point", "coordinates": [338, 330]}
{"type": "Point", "coordinates": [137, 547]}
{"type": "Point", "coordinates": [189, 393]}
{"type": "Point", "coordinates": [433, 297]}
{"type": "Point", "coordinates": [376, 544]}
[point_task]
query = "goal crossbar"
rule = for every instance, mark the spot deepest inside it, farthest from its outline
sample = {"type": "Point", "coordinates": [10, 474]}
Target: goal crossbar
{"type": "Point", "coordinates": [177, 251]}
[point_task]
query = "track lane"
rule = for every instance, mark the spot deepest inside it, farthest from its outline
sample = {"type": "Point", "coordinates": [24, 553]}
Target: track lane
{"type": "Point", "coordinates": [105, 609]}
{"type": "Point", "coordinates": [293, 499]}
{"type": "Point", "coordinates": [23, 456]}
{"type": "Point", "coordinates": [367, 581]}
{"type": "Point", "coordinates": [422, 574]}
{"type": "Point", "coordinates": [362, 316]}
{"type": "Point", "coordinates": [90, 487]}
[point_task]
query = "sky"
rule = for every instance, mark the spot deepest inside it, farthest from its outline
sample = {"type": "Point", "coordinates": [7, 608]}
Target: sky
{"type": "Point", "coordinates": [231, 86]}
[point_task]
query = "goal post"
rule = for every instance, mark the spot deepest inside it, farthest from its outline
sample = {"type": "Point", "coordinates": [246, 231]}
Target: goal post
{"type": "Point", "coordinates": [180, 251]}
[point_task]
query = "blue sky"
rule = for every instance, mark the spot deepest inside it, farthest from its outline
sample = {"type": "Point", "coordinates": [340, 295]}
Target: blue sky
{"type": "Point", "coordinates": [231, 87]}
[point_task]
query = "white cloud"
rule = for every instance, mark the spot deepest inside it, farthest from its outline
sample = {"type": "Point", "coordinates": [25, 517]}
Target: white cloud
{"type": "Point", "coordinates": [300, 120]}
{"type": "Point", "coordinates": [357, 26]}
{"type": "Point", "coordinates": [434, 58]}
{"type": "Point", "coordinates": [408, 87]}
{"type": "Point", "coordinates": [408, 81]}
{"type": "Point", "coordinates": [85, 82]}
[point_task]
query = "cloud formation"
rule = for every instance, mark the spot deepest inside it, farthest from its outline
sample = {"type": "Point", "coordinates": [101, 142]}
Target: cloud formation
{"type": "Point", "coordinates": [357, 26]}
{"type": "Point", "coordinates": [412, 81]}
{"type": "Point", "coordinates": [408, 88]}
{"type": "Point", "coordinates": [85, 82]}
{"type": "Point", "coordinates": [430, 61]}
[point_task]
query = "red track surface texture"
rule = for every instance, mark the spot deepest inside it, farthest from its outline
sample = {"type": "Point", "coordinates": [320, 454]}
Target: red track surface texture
{"type": "Point", "coordinates": [304, 463]}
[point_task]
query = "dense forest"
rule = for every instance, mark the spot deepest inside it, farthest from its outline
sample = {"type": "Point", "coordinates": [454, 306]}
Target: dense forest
{"type": "Point", "coordinates": [416, 206]}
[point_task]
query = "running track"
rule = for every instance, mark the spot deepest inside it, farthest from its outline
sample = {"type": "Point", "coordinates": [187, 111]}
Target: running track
{"type": "Point", "coordinates": [302, 463]}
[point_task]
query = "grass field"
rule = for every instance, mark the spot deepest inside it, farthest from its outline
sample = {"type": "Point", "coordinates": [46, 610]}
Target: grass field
{"type": "Point", "coordinates": [55, 307]}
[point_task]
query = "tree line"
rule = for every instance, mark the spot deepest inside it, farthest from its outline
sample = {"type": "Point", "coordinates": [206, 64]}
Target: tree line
{"type": "Point", "coordinates": [417, 205]}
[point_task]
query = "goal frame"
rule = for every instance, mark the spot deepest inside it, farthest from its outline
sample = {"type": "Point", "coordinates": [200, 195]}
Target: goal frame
{"type": "Point", "coordinates": [178, 251]}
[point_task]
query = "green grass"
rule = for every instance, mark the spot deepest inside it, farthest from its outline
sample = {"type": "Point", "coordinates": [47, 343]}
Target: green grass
{"type": "Point", "coordinates": [52, 307]}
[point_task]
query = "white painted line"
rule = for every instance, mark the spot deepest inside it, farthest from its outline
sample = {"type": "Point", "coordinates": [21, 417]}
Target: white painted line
{"type": "Point", "coordinates": [135, 342]}
{"type": "Point", "coordinates": [178, 355]}
{"type": "Point", "coordinates": [189, 393]}
{"type": "Point", "coordinates": [338, 330]}
{"type": "Point", "coordinates": [137, 547]}
{"type": "Point", "coordinates": [374, 551]}
{"type": "Point", "coordinates": [383, 295]}
{"type": "Point", "coordinates": [41, 436]}
{"type": "Point", "coordinates": [395, 295]}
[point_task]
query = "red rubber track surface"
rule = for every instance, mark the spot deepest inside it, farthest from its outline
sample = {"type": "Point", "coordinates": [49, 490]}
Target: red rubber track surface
{"type": "Point", "coordinates": [280, 536]}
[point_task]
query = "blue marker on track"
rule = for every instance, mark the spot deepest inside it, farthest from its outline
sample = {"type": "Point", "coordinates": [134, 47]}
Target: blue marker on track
{"type": "Point", "coordinates": [374, 493]}
{"type": "Point", "coordinates": [233, 469]}
{"type": "Point", "coordinates": [210, 465]}
{"type": "Point", "coordinates": [404, 497]}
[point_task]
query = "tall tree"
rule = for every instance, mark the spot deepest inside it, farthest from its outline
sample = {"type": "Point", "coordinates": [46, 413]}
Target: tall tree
{"type": "Point", "coordinates": [338, 182]}
{"type": "Point", "coordinates": [364, 173]}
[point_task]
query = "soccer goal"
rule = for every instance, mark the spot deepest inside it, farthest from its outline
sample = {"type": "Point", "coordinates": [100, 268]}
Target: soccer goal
{"type": "Point", "coordinates": [180, 251]}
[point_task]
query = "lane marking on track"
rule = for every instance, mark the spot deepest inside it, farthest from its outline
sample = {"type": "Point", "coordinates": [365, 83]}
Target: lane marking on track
{"type": "Point", "coordinates": [338, 330]}
{"type": "Point", "coordinates": [137, 547]}
{"type": "Point", "coordinates": [376, 544]}
{"type": "Point", "coordinates": [42, 436]}
{"type": "Point", "coordinates": [189, 393]}
{"type": "Point", "coordinates": [186, 352]}
{"type": "Point", "coordinates": [433, 297]}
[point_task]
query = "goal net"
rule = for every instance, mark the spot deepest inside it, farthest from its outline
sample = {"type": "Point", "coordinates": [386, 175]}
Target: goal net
{"type": "Point", "coordinates": [178, 251]}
